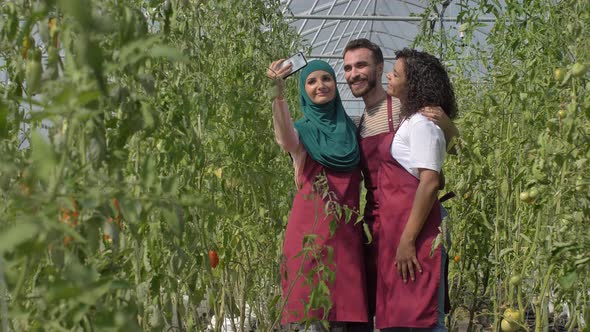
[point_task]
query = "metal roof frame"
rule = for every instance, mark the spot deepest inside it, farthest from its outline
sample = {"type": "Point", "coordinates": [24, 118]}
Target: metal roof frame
{"type": "Point", "coordinates": [328, 25]}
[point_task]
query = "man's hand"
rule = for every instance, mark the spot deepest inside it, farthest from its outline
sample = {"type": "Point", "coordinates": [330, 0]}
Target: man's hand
{"type": "Point", "coordinates": [438, 116]}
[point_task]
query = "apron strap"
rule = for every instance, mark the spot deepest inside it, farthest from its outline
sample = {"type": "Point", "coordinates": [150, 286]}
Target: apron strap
{"type": "Point", "coordinates": [389, 115]}
{"type": "Point", "coordinates": [358, 129]}
{"type": "Point", "coordinates": [447, 196]}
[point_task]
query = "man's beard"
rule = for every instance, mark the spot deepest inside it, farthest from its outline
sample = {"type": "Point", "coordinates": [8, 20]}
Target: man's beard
{"type": "Point", "coordinates": [371, 84]}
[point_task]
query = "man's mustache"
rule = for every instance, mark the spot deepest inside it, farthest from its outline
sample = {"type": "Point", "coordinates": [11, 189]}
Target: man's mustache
{"type": "Point", "coordinates": [357, 79]}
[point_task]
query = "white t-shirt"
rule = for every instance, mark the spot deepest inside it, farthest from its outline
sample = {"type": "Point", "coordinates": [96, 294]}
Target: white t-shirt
{"type": "Point", "coordinates": [419, 143]}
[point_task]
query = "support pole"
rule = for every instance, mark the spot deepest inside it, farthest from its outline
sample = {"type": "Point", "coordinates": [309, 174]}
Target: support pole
{"type": "Point", "coordinates": [380, 18]}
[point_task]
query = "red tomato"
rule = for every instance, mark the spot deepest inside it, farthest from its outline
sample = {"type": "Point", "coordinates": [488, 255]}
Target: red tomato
{"type": "Point", "coordinates": [213, 259]}
{"type": "Point", "coordinates": [53, 32]}
{"type": "Point", "coordinates": [116, 204]}
{"type": "Point", "coordinates": [24, 189]}
{"type": "Point", "coordinates": [119, 217]}
{"type": "Point", "coordinates": [67, 240]}
{"type": "Point", "coordinates": [65, 215]}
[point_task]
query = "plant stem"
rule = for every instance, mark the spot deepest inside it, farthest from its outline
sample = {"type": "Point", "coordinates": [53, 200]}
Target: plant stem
{"type": "Point", "coordinates": [3, 297]}
{"type": "Point", "coordinates": [540, 308]}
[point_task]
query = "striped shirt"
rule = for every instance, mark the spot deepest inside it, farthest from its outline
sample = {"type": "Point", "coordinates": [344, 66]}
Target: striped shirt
{"type": "Point", "coordinates": [374, 120]}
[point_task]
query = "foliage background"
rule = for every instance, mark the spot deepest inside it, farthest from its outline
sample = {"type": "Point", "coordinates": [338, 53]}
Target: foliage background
{"type": "Point", "coordinates": [161, 150]}
{"type": "Point", "coordinates": [519, 225]}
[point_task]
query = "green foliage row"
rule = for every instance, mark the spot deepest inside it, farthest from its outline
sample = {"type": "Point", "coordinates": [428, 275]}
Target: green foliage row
{"type": "Point", "coordinates": [160, 150]}
{"type": "Point", "coordinates": [522, 170]}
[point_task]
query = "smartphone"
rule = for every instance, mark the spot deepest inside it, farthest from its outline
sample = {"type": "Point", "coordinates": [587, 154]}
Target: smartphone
{"type": "Point", "coordinates": [298, 61]}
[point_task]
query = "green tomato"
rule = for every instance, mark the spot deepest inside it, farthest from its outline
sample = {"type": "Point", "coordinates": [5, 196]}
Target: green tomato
{"type": "Point", "coordinates": [579, 69]}
{"type": "Point", "coordinates": [559, 74]}
{"type": "Point", "coordinates": [515, 280]}
{"type": "Point", "coordinates": [160, 146]}
{"type": "Point", "coordinates": [533, 193]}
{"type": "Point", "coordinates": [579, 184]}
{"type": "Point", "coordinates": [507, 326]}
{"type": "Point", "coordinates": [33, 73]}
{"type": "Point", "coordinates": [512, 315]}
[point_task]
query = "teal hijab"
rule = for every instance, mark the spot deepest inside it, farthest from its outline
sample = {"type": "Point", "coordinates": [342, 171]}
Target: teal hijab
{"type": "Point", "coordinates": [326, 131]}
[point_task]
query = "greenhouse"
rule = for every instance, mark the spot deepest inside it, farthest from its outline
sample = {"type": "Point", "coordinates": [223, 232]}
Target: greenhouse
{"type": "Point", "coordinates": [164, 169]}
{"type": "Point", "coordinates": [327, 26]}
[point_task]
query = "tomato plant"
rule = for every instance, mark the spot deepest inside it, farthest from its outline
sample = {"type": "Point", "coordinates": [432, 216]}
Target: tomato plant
{"type": "Point", "coordinates": [524, 121]}
{"type": "Point", "coordinates": [131, 140]}
{"type": "Point", "coordinates": [136, 111]}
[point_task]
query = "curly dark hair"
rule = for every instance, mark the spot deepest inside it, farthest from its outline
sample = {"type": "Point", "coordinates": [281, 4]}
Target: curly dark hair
{"type": "Point", "coordinates": [365, 43]}
{"type": "Point", "coordinates": [428, 83]}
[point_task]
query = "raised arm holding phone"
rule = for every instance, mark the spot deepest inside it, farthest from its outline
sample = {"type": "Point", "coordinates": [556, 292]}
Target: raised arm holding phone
{"type": "Point", "coordinates": [321, 144]}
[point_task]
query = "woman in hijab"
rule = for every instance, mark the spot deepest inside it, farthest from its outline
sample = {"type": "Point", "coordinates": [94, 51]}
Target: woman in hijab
{"type": "Point", "coordinates": [323, 244]}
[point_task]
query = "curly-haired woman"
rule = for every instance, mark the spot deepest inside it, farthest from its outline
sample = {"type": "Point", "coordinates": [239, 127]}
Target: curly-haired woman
{"type": "Point", "coordinates": [411, 288]}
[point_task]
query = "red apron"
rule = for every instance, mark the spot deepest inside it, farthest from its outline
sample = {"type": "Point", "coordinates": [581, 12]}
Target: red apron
{"type": "Point", "coordinates": [370, 162]}
{"type": "Point", "coordinates": [308, 216]}
{"type": "Point", "coordinates": [413, 304]}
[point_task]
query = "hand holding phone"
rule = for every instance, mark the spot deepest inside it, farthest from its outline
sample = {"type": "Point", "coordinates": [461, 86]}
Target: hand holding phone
{"type": "Point", "coordinates": [297, 62]}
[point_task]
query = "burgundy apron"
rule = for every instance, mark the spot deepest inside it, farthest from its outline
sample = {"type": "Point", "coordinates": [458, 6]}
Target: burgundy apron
{"type": "Point", "coordinates": [412, 304]}
{"type": "Point", "coordinates": [370, 162]}
{"type": "Point", "coordinates": [308, 216]}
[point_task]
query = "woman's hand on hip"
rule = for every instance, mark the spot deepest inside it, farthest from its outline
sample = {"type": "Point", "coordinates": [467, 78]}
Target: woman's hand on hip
{"type": "Point", "coordinates": [405, 260]}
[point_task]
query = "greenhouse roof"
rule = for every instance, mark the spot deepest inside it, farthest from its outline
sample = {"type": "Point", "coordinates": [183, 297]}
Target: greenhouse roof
{"type": "Point", "coordinates": [328, 25]}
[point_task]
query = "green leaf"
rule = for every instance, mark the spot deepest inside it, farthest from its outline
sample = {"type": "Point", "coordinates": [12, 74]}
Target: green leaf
{"type": "Point", "coordinates": [148, 118]}
{"type": "Point", "coordinates": [485, 221]}
{"type": "Point", "coordinates": [367, 233]}
{"type": "Point", "coordinates": [44, 159]}
{"type": "Point", "coordinates": [436, 243]}
{"type": "Point", "coordinates": [580, 262]}
{"type": "Point", "coordinates": [505, 251]}
{"type": "Point", "coordinates": [86, 97]}
{"type": "Point", "coordinates": [526, 238]}
{"type": "Point", "coordinates": [347, 214]}
{"type": "Point", "coordinates": [134, 51]}
{"type": "Point", "coordinates": [92, 294]}
{"type": "Point", "coordinates": [568, 280]}
{"type": "Point", "coordinates": [16, 235]}
{"type": "Point", "coordinates": [175, 219]}
{"type": "Point", "coordinates": [62, 290]}
{"type": "Point", "coordinates": [149, 172]}
{"type": "Point", "coordinates": [464, 27]}
{"type": "Point", "coordinates": [333, 227]}
{"type": "Point", "coordinates": [3, 120]}
{"type": "Point", "coordinates": [168, 52]}
{"type": "Point", "coordinates": [81, 10]}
